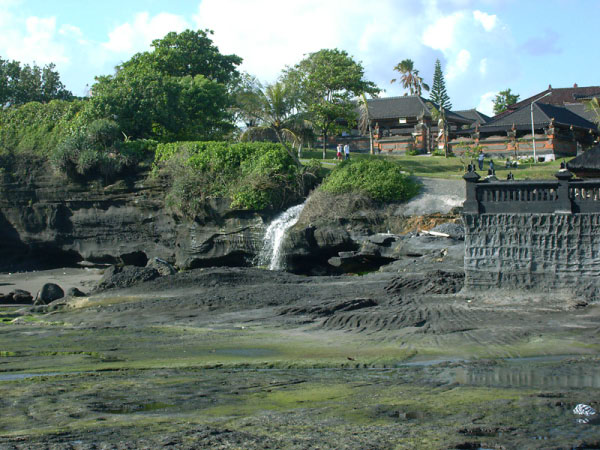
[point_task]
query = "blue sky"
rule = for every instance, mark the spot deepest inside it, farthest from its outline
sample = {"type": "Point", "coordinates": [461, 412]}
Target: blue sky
{"type": "Point", "coordinates": [485, 46]}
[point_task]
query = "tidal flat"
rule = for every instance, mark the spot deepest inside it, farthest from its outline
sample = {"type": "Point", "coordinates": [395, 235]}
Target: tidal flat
{"type": "Point", "coordinates": [230, 358]}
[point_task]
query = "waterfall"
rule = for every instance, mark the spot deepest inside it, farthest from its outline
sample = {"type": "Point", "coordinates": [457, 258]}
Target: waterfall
{"type": "Point", "coordinates": [270, 253]}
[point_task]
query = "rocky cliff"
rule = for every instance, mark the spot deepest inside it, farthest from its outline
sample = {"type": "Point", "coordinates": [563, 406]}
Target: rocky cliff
{"type": "Point", "coordinates": [50, 221]}
{"type": "Point", "coordinates": [45, 219]}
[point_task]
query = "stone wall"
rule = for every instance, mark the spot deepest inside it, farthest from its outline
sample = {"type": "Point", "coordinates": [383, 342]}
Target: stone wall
{"type": "Point", "coordinates": [545, 251]}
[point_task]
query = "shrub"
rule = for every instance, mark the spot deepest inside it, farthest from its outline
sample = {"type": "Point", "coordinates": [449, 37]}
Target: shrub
{"type": "Point", "coordinates": [440, 152]}
{"type": "Point", "coordinates": [92, 151]}
{"type": "Point", "coordinates": [37, 128]}
{"type": "Point", "coordinates": [254, 175]}
{"type": "Point", "coordinates": [379, 179]}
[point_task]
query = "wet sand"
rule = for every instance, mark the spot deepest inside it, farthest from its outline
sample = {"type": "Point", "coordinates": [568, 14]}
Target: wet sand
{"type": "Point", "coordinates": [82, 278]}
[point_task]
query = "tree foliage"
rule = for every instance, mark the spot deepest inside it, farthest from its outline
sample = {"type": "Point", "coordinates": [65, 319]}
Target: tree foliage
{"type": "Point", "coordinates": [39, 127]}
{"type": "Point", "coordinates": [178, 91]}
{"type": "Point", "coordinates": [438, 92]}
{"type": "Point", "coordinates": [23, 84]}
{"type": "Point", "coordinates": [275, 109]}
{"type": "Point", "coordinates": [329, 80]}
{"type": "Point", "coordinates": [410, 77]}
{"type": "Point", "coordinates": [503, 100]}
{"type": "Point", "coordinates": [189, 53]}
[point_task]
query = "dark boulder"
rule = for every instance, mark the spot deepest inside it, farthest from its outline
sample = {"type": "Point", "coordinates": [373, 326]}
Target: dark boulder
{"type": "Point", "coordinates": [453, 230]}
{"type": "Point", "coordinates": [163, 267]}
{"type": "Point", "coordinates": [49, 293]}
{"type": "Point", "coordinates": [74, 292]}
{"type": "Point", "coordinates": [20, 296]}
{"type": "Point", "coordinates": [122, 277]}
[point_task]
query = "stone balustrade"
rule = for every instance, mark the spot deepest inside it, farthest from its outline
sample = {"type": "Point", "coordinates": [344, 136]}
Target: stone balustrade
{"type": "Point", "coordinates": [565, 195]}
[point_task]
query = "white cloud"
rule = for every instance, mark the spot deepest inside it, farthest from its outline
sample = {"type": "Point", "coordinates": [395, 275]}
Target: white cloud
{"type": "Point", "coordinates": [476, 49]}
{"type": "Point", "coordinates": [440, 35]}
{"type": "Point", "coordinates": [133, 37]}
{"type": "Point", "coordinates": [460, 64]}
{"type": "Point", "coordinates": [38, 44]}
{"type": "Point", "coordinates": [488, 21]}
{"type": "Point", "coordinates": [486, 103]}
{"type": "Point", "coordinates": [483, 66]}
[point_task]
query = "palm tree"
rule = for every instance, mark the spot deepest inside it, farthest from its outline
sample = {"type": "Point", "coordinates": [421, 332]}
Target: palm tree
{"type": "Point", "coordinates": [276, 111]}
{"type": "Point", "coordinates": [364, 120]}
{"type": "Point", "coordinates": [410, 77]}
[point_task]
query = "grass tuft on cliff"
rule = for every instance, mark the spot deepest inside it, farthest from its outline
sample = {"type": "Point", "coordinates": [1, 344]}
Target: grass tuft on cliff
{"type": "Point", "coordinates": [375, 178]}
{"type": "Point", "coordinates": [254, 175]}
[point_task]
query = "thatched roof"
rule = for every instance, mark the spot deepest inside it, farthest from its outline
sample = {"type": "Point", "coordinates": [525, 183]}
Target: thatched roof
{"type": "Point", "coordinates": [587, 163]}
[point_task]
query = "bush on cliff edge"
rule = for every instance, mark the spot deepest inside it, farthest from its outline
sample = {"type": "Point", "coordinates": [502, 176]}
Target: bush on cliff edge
{"type": "Point", "coordinates": [376, 178]}
{"type": "Point", "coordinates": [254, 175]}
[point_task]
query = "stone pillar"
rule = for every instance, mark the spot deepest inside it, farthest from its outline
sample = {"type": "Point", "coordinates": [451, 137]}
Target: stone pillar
{"type": "Point", "coordinates": [471, 205]}
{"type": "Point", "coordinates": [512, 140]}
{"type": "Point", "coordinates": [551, 135]}
{"type": "Point", "coordinates": [564, 204]}
{"type": "Point", "coordinates": [420, 136]}
{"type": "Point", "coordinates": [477, 135]}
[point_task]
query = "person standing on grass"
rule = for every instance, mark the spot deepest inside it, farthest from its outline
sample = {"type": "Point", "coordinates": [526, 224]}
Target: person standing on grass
{"type": "Point", "coordinates": [480, 160]}
{"type": "Point", "coordinates": [339, 152]}
{"type": "Point", "coordinates": [346, 151]}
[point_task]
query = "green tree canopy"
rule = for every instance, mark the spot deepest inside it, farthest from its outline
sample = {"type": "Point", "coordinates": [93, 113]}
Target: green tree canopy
{"type": "Point", "coordinates": [158, 95]}
{"type": "Point", "coordinates": [410, 77]}
{"type": "Point", "coordinates": [23, 84]}
{"type": "Point", "coordinates": [438, 92]}
{"type": "Point", "coordinates": [188, 53]}
{"type": "Point", "coordinates": [503, 100]}
{"type": "Point", "coordinates": [329, 80]}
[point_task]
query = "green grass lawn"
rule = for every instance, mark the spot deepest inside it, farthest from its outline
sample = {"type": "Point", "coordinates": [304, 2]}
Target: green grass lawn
{"type": "Point", "coordinates": [448, 168]}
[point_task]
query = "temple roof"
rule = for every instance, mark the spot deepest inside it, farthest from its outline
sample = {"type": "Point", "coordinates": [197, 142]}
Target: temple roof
{"type": "Point", "coordinates": [587, 161]}
{"type": "Point", "coordinates": [407, 106]}
{"type": "Point", "coordinates": [542, 115]}
{"type": "Point", "coordinates": [474, 116]}
{"type": "Point", "coordinates": [559, 97]}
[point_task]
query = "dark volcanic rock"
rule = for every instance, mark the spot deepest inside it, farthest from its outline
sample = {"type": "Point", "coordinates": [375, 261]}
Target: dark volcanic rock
{"type": "Point", "coordinates": [122, 277]}
{"type": "Point", "coordinates": [455, 230]}
{"type": "Point", "coordinates": [163, 267]}
{"type": "Point", "coordinates": [20, 296]}
{"type": "Point", "coordinates": [55, 223]}
{"type": "Point", "coordinates": [327, 309]}
{"type": "Point", "coordinates": [435, 282]}
{"type": "Point", "coordinates": [74, 292]}
{"type": "Point", "coordinates": [49, 293]}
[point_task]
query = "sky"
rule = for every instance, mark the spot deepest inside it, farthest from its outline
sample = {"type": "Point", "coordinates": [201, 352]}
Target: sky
{"type": "Point", "coordinates": [484, 46]}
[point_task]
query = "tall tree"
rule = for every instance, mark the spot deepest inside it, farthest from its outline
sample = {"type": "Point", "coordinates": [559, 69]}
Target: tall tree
{"type": "Point", "coordinates": [157, 95]}
{"type": "Point", "coordinates": [503, 100]}
{"type": "Point", "coordinates": [23, 84]}
{"type": "Point", "coordinates": [328, 81]}
{"type": "Point", "coordinates": [275, 109]}
{"type": "Point", "coordinates": [188, 53]}
{"type": "Point", "coordinates": [438, 92]}
{"type": "Point", "coordinates": [410, 77]}
{"type": "Point", "coordinates": [364, 120]}
{"type": "Point", "coordinates": [247, 93]}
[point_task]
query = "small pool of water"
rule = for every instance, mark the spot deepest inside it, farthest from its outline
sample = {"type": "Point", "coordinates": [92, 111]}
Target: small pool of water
{"type": "Point", "coordinates": [23, 376]}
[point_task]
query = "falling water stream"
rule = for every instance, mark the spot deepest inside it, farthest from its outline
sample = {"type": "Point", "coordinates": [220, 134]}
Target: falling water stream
{"type": "Point", "coordinates": [271, 255]}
